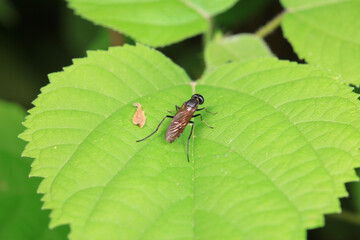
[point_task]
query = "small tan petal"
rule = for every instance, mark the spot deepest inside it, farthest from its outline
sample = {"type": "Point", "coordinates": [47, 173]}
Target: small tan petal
{"type": "Point", "coordinates": [139, 117]}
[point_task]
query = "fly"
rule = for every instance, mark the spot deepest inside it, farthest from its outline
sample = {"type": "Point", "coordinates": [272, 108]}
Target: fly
{"type": "Point", "coordinates": [181, 119]}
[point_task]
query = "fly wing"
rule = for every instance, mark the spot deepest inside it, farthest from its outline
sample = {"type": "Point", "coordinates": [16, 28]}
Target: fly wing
{"type": "Point", "coordinates": [177, 125]}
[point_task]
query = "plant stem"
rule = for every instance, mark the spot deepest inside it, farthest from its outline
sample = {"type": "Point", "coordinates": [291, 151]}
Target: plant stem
{"type": "Point", "coordinates": [270, 26]}
{"type": "Point", "coordinates": [209, 32]}
{"type": "Point", "coordinates": [348, 217]}
{"type": "Point", "coordinates": [207, 37]}
{"type": "Point", "coordinates": [116, 38]}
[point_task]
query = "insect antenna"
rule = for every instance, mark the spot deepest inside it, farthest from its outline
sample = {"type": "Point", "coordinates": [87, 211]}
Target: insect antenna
{"type": "Point", "coordinates": [191, 131]}
{"type": "Point", "coordinates": [167, 116]}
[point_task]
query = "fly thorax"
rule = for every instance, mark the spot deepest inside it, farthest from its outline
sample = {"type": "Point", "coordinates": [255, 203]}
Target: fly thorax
{"type": "Point", "coordinates": [191, 104]}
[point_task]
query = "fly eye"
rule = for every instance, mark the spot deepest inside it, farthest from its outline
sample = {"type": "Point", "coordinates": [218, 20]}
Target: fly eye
{"type": "Point", "coordinates": [199, 98]}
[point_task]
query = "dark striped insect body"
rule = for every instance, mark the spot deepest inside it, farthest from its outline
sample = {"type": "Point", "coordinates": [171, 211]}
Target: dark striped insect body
{"type": "Point", "coordinates": [181, 119]}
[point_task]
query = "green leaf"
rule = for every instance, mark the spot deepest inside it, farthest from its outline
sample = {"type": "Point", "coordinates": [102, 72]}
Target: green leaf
{"type": "Point", "coordinates": [286, 138]}
{"type": "Point", "coordinates": [8, 14]}
{"type": "Point", "coordinates": [20, 214]}
{"type": "Point", "coordinates": [326, 33]}
{"type": "Point", "coordinates": [153, 22]}
{"type": "Point", "coordinates": [241, 47]}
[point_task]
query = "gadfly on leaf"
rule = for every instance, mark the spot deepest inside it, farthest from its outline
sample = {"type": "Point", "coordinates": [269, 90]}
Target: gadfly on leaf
{"type": "Point", "coordinates": [181, 119]}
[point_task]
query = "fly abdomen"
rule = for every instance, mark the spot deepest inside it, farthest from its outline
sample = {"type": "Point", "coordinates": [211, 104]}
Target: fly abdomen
{"type": "Point", "coordinates": [174, 131]}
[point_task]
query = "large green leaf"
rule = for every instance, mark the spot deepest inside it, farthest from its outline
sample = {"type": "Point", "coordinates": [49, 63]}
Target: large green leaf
{"type": "Point", "coordinates": [241, 47]}
{"type": "Point", "coordinates": [326, 33]}
{"type": "Point", "coordinates": [154, 22]}
{"type": "Point", "coordinates": [286, 139]}
{"type": "Point", "coordinates": [20, 214]}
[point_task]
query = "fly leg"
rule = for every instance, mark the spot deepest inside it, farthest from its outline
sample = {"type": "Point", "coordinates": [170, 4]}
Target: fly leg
{"type": "Point", "coordinates": [177, 109]}
{"type": "Point", "coordinates": [203, 120]}
{"type": "Point", "coordinates": [167, 116]}
{"type": "Point", "coordinates": [204, 108]}
{"type": "Point", "coordinates": [191, 131]}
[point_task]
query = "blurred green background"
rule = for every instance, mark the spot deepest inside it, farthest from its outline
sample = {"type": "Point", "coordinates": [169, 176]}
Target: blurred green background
{"type": "Point", "coordinates": [40, 37]}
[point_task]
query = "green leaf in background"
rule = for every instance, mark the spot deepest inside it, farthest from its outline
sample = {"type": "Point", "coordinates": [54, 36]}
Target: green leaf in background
{"type": "Point", "coordinates": [286, 138]}
{"type": "Point", "coordinates": [81, 35]}
{"type": "Point", "coordinates": [153, 22]}
{"type": "Point", "coordinates": [8, 14]}
{"type": "Point", "coordinates": [241, 47]}
{"type": "Point", "coordinates": [326, 33]}
{"type": "Point", "coordinates": [20, 214]}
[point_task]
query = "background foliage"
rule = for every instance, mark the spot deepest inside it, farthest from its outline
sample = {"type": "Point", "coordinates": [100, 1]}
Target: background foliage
{"type": "Point", "coordinates": [20, 215]}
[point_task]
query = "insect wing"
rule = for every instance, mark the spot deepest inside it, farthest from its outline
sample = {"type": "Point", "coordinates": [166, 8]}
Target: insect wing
{"type": "Point", "coordinates": [177, 125]}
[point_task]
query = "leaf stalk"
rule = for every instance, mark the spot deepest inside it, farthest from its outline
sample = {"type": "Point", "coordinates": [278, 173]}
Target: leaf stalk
{"type": "Point", "coordinates": [270, 26]}
{"type": "Point", "coordinates": [347, 217]}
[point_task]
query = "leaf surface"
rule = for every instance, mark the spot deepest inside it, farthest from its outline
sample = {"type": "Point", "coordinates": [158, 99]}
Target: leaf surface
{"type": "Point", "coordinates": [326, 33]}
{"type": "Point", "coordinates": [241, 47]}
{"type": "Point", "coordinates": [20, 214]}
{"type": "Point", "coordinates": [286, 138]}
{"type": "Point", "coordinates": [153, 22]}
